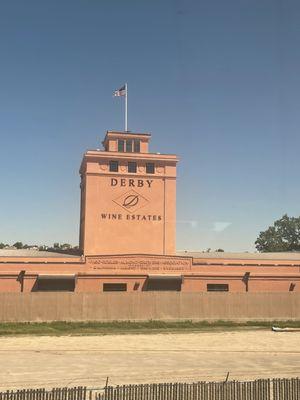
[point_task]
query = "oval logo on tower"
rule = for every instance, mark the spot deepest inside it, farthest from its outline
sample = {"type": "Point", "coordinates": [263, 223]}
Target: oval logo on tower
{"type": "Point", "coordinates": [131, 201]}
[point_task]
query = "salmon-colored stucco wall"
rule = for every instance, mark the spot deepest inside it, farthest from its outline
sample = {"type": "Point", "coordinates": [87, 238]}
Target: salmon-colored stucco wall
{"type": "Point", "coordinates": [200, 284]}
{"type": "Point", "coordinates": [274, 285]}
{"type": "Point", "coordinates": [9, 284]}
{"type": "Point", "coordinates": [123, 212]}
{"type": "Point", "coordinates": [107, 229]}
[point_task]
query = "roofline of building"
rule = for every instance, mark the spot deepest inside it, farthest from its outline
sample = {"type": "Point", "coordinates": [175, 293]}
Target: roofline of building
{"type": "Point", "coordinates": [108, 133]}
{"type": "Point", "coordinates": [108, 154]}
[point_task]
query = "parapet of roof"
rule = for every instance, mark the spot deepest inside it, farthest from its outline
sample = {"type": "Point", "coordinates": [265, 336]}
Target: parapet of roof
{"type": "Point", "coordinates": [240, 256]}
{"type": "Point", "coordinates": [33, 253]}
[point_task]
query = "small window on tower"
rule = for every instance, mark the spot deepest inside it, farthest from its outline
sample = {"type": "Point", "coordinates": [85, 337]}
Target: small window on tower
{"type": "Point", "coordinates": [113, 166]}
{"type": "Point", "coordinates": [121, 145]}
{"type": "Point", "coordinates": [132, 167]}
{"type": "Point", "coordinates": [149, 168]}
{"type": "Point", "coordinates": [129, 146]}
{"type": "Point", "coordinates": [136, 146]}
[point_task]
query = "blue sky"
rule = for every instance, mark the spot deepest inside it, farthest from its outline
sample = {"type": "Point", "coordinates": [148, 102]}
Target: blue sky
{"type": "Point", "coordinates": [216, 82]}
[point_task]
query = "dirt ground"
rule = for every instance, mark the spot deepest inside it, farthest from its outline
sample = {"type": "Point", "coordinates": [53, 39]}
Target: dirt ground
{"type": "Point", "coordinates": [44, 361]}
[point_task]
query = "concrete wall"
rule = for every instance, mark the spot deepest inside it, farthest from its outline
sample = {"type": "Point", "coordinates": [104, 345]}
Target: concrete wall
{"type": "Point", "coordinates": [148, 305]}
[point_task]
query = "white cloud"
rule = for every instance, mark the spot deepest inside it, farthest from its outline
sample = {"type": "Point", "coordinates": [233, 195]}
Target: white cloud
{"type": "Point", "coordinates": [221, 226]}
{"type": "Point", "coordinates": [191, 223]}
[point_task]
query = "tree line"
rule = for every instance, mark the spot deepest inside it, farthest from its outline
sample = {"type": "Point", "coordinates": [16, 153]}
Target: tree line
{"type": "Point", "coordinates": [56, 246]}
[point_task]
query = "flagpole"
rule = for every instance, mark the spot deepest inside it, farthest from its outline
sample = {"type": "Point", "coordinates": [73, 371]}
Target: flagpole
{"type": "Point", "coordinates": [126, 108]}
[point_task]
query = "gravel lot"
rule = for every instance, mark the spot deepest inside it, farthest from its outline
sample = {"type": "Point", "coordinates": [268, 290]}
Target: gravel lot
{"type": "Point", "coordinates": [47, 361]}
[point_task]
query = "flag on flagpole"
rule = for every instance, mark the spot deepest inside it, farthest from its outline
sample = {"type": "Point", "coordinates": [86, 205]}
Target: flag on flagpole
{"type": "Point", "coordinates": [123, 91]}
{"type": "Point", "coordinates": [120, 92]}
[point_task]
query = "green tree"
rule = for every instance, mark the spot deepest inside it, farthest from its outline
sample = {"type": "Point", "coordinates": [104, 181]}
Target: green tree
{"type": "Point", "coordinates": [56, 246]}
{"type": "Point", "coordinates": [66, 246]}
{"type": "Point", "coordinates": [283, 235]}
{"type": "Point", "coordinates": [2, 245]}
{"type": "Point", "coordinates": [18, 245]}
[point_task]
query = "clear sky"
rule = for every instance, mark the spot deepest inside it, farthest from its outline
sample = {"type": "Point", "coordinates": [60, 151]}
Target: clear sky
{"type": "Point", "coordinates": [216, 82]}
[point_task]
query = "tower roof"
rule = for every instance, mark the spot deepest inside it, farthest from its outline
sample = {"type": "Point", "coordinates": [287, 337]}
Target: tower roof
{"type": "Point", "coordinates": [125, 135]}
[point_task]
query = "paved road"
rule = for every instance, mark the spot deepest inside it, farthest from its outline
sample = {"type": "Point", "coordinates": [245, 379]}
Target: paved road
{"type": "Point", "coordinates": [37, 361]}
